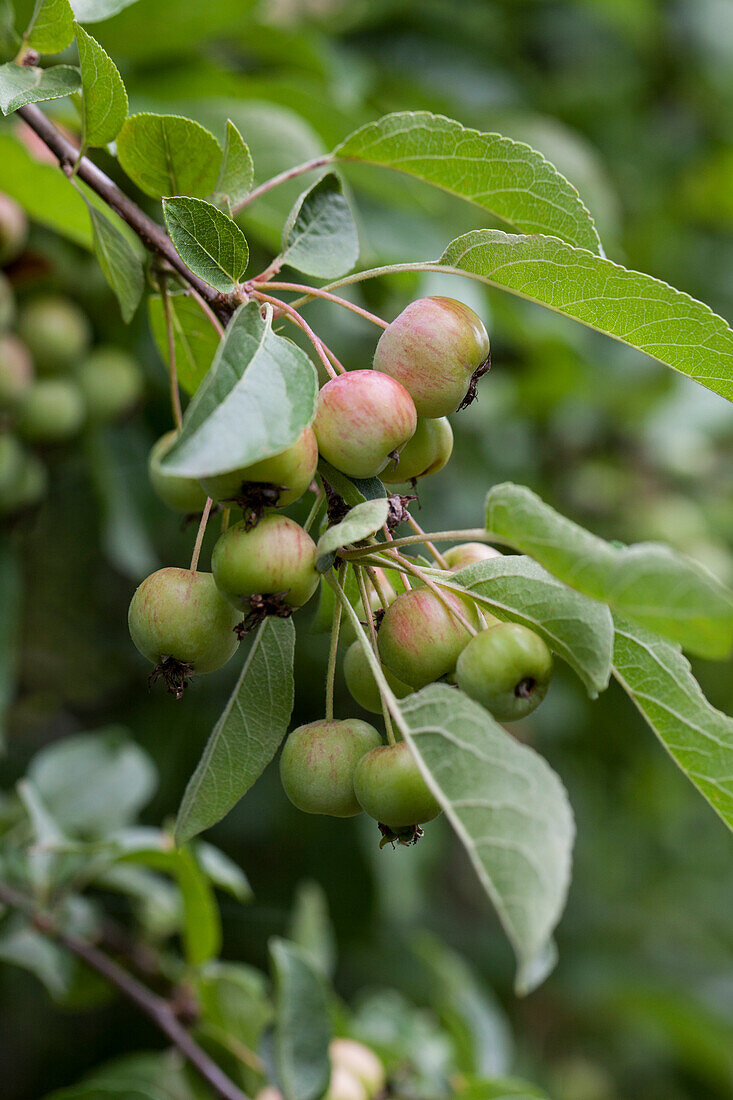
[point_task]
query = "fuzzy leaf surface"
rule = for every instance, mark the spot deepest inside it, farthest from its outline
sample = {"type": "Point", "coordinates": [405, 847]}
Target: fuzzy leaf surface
{"type": "Point", "coordinates": [168, 155]}
{"type": "Point", "coordinates": [122, 261]}
{"type": "Point", "coordinates": [236, 174]}
{"type": "Point", "coordinates": [320, 236]}
{"type": "Point", "coordinates": [19, 86]}
{"type": "Point", "coordinates": [361, 522]}
{"type": "Point", "coordinates": [104, 99]}
{"type": "Point", "coordinates": [208, 241]}
{"type": "Point", "coordinates": [53, 27]}
{"type": "Point", "coordinates": [302, 1025]}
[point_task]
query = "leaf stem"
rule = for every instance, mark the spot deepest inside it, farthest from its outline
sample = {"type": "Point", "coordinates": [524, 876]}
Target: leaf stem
{"type": "Point", "coordinates": [294, 316]}
{"type": "Point", "coordinates": [155, 239]}
{"type": "Point", "coordinates": [316, 292]}
{"type": "Point", "coordinates": [283, 177]}
{"type": "Point", "coordinates": [314, 510]}
{"type": "Point", "coordinates": [333, 649]}
{"type": "Point", "coordinates": [431, 548]}
{"type": "Point", "coordinates": [375, 646]}
{"type": "Point", "coordinates": [200, 535]}
{"type": "Point", "coordinates": [172, 371]}
{"type": "Point", "coordinates": [470, 534]}
{"type": "Point", "coordinates": [156, 1008]}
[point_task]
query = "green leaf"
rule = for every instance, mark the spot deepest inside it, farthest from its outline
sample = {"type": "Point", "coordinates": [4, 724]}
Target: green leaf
{"type": "Point", "coordinates": [650, 583]}
{"type": "Point", "coordinates": [158, 1076]}
{"type": "Point", "coordinates": [320, 237]}
{"type": "Point", "coordinates": [45, 194]}
{"type": "Point", "coordinates": [234, 1001]}
{"type": "Point", "coordinates": [505, 177]}
{"type": "Point", "coordinates": [52, 29]}
{"type": "Point", "coordinates": [506, 805]}
{"type": "Point", "coordinates": [168, 155]}
{"type": "Point", "coordinates": [23, 946]}
{"type": "Point", "coordinates": [236, 174]}
{"type": "Point", "coordinates": [19, 86]}
{"type": "Point", "coordinates": [352, 490]}
{"type": "Point", "coordinates": [248, 733]}
{"type": "Point", "coordinates": [302, 1026]}
{"type": "Point", "coordinates": [10, 595]}
{"type": "Point", "coordinates": [510, 812]}
{"type": "Point", "coordinates": [363, 520]}
{"type": "Point", "coordinates": [629, 306]}
{"type": "Point", "coordinates": [104, 99]}
{"type": "Point", "coordinates": [94, 11]}
{"type": "Point", "coordinates": [196, 339]}
{"type": "Point", "coordinates": [93, 783]}
{"type": "Point", "coordinates": [574, 626]}
{"type": "Point", "coordinates": [208, 242]}
{"type": "Point", "coordinates": [469, 1011]}
{"type": "Point", "coordinates": [201, 921]}
{"type": "Point", "coordinates": [222, 871]}
{"type": "Point", "coordinates": [698, 737]}
{"type": "Point", "coordinates": [257, 398]}
{"type": "Point", "coordinates": [121, 260]}
{"type": "Point", "coordinates": [311, 928]}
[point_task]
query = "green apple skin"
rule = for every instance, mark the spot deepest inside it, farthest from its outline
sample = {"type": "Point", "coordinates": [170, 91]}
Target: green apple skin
{"type": "Point", "coordinates": [419, 639]}
{"type": "Point", "coordinates": [179, 614]}
{"type": "Point", "coordinates": [181, 494]}
{"type": "Point", "coordinates": [361, 418]}
{"type": "Point", "coordinates": [277, 557]}
{"type": "Point", "coordinates": [51, 410]}
{"type": "Point", "coordinates": [16, 370]}
{"type": "Point", "coordinates": [291, 471]}
{"type": "Point", "coordinates": [426, 453]}
{"type": "Point", "coordinates": [361, 682]}
{"type": "Point", "coordinates": [390, 788]}
{"type": "Point", "coordinates": [55, 331]}
{"type": "Point", "coordinates": [361, 1062]}
{"type": "Point", "coordinates": [507, 669]}
{"type": "Point", "coordinates": [318, 762]}
{"type": "Point", "coordinates": [433, 349]}
{"type": "Point", "coordinates": [468, 553]}
{"type": "Point", "coordinates": [112, 384]}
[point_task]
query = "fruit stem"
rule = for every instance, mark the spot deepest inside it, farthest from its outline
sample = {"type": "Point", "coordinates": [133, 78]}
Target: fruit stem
{"type": "Point", "coordinates": [470, 534]}
{"type": "Point", "coordinates": [225, 517]}
{"type": "Point", "coordinates": [282, 177]}
{"type": "Point", "coordinates": [312, 515]}
{"type": "Point", "coordinates": [315, 292]}
{"type": "Point", "coordinates": [428, 544]}
{"type": "Point", "coordinates": [200, 535]}
{"type": "Point", "coordinates": [390, 538]}
{"type": "Point", "coordinates": [173, 373]}
{"type": "Point", "coordinates": [333, 649]}
{"type": "Point", "coordinates": [294, 316]}
{"type": "Point", "coordinates": [377, 585]}
{"type": "Point", "coordinates": [435, 589]}
{"type": "Point", "coordinates": [359, 572]}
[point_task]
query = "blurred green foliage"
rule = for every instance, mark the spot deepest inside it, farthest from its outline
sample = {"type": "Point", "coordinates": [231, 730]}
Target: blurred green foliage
{"type": "Point", "coordinates": [631, 100]}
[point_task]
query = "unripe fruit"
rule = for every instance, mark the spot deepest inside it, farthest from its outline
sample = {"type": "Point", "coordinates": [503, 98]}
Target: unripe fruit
{"type": "Point", "coordinates": [13, 229]}
{"type": "Point", "coordinates": [111, 382]}
{"type": "Point", "coordinates": [345, 1086]}
{"type": "Point", "coordinates": [288, 474]}
{"type": "Point", "coordinates": [55, 331]}
{"type": "Point", "coordinates": [347, 633]}
{"type": "Point", "coordinates": [16, 369]}
{"type": "Point", "coordinates": [182, 494]}
{"type": "Point", "coordinates": [361, 682]}
{"type": "Point", "coordinates": [318, 762]}
{"type": "Point", "coordinates": [50, 411]}
{"type": "Point", "coordinates": [426, 453]}
{"type": "Point", "coordinates": [433, 348]}
{"type": "Point", "coordinates": [361, 1062]}
{"type": "Point", "coordinates": [468, 553]}
{"type": "Point", "coordinates": [23, 477]}
{"type": "Point", "coordinates": [180, 622]}
{"type": "Point", "coordinates": [420, 639]}
{"type": "Point", "coordinates": [361, 418]}
{"type": "Point", "coordinates": [277, 558]}
{"type": "Point", "coordinates": [507, 669]}
{"type": "Point", "coordinates": [7, 304]}
{"type": "Point", "coordinates": [390, 788]}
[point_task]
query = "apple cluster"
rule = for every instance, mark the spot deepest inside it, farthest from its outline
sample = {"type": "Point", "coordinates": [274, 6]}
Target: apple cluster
{"type": "Point", "coordinates": [53, 382]}
{"type": "Point", "coordinates": [388, 422]}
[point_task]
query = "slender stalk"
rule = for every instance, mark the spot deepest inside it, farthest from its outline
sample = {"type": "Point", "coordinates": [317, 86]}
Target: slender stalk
{"type": "Point", "coordinates": [283, 177]}
{"type": "Point", "coordinates": [470, 534]}
{"type": "Point", "coordinates": [312, 515]}
{"type": "Point", "coordinates": [294, 316]}
{"type": "Point", "coordinates": [377, 584]}
{"type": "Point", "coordinates": [421, 575]}
{"type": "Point", "coordinates": [375, 646]}
{"type": "Point", "coordinates": [155, 239]}
{"type": "Point", "coordinates": [333, 649]}
{"type": "Point", "coordinates": [430, 547]}
{"type": "Point", "coordinates": [225, 517]}
{"type": "Point", "coordinates": [390, 538]}
{"type": "Point", "coordinates": [200, 535]}
{"type": "Point", "coordinates": [316, 292]}
{"type": "Point", "coordinates": [154, 1007]}
{"type": "Point", "coordinates": [172, 371]}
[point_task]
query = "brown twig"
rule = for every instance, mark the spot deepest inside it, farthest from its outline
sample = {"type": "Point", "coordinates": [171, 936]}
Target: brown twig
{"type": "Point", "coordinates": [154, 1007]}
{"type": "Point", "coordinates": [152, 235]}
